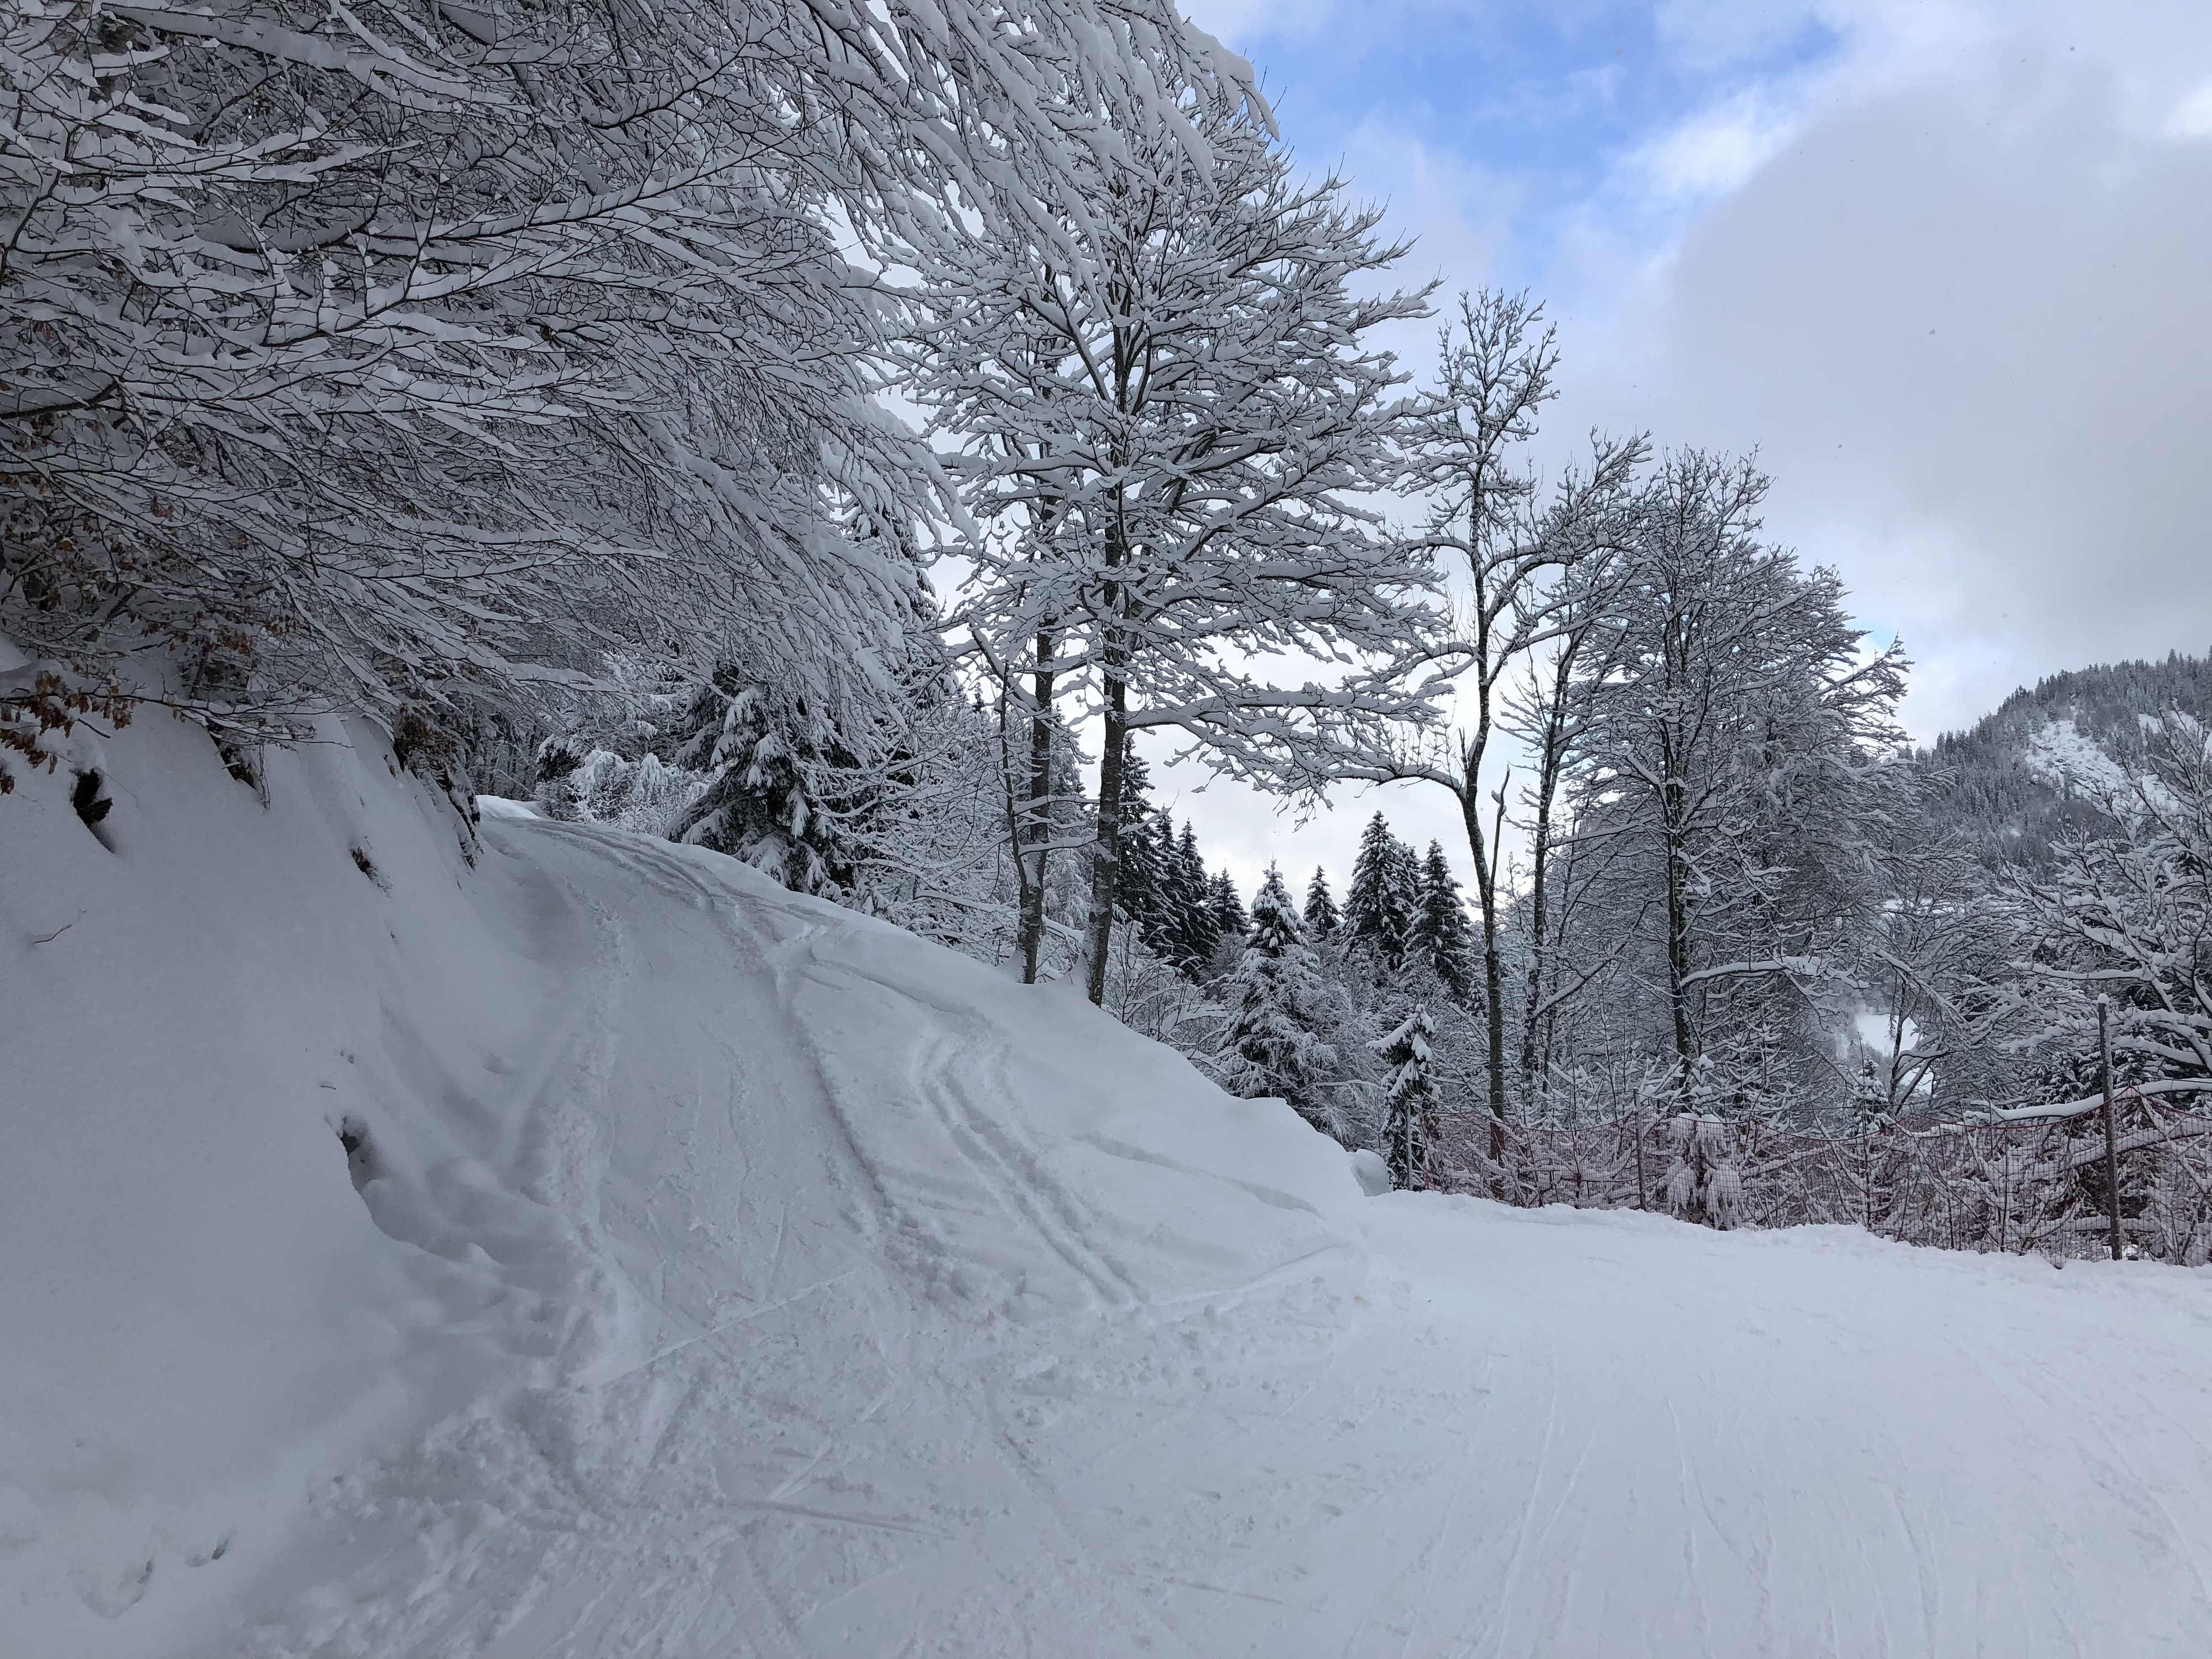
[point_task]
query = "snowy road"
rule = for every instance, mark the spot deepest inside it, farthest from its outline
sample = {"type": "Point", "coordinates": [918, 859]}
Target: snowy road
{"type": "Point", "coordinates": [738, 1276]}
{"type": "Point", "coordinates": [935, 1333]}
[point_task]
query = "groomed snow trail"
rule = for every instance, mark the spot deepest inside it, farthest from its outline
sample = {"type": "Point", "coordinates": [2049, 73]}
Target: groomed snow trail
{"type": "Point", "coordinates": [933, 1349]}
{"type": "Point", "coordinates": [731, 1275]}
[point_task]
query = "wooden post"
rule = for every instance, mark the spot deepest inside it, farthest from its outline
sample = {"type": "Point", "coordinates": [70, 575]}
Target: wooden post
{"type": "Point", "coordinates": [2112, 1138]}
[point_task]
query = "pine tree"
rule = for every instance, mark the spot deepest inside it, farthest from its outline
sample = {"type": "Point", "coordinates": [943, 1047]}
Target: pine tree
{"type": "Point", "coordinates": [1379, 909]}
{"type": "Point", "coordinates": [1139, 891]}
{"type": "Point", "coordinates": [1273, 1046]}
{"type": "Point", "coordinates": [1189, 914]}
{"type": "Point", "coordinates": [762, 805]}
{"type": "Point", "coordinates": [1407, 1093]}
{"type": "Point", "coordinates": [1322, 919]}
{"type": "Point", "coordinates": [1229, 917]}
{"type": "Point", "coordinates": [1440, 937]}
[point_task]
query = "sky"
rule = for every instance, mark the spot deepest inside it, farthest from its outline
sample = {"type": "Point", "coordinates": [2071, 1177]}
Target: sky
{"type": "Point", "coordinates": [1946, 267]}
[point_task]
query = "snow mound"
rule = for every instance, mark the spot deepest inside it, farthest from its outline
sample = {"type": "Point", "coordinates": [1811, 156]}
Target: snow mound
{"type": "Point", "coordinates": [318, 1133]}
{"type": "Point", "coordinates": [546, 1240]}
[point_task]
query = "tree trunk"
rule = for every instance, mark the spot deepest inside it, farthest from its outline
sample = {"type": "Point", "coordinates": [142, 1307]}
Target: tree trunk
{"type": "Point", "coordinates": [1106, 856]}
{"type": "Point", "coordinates": [1677, 962]}
{"type": "Point", "coordinates": [1036, 826]}
{"type": "Point", "coordinates": [1540, 853]}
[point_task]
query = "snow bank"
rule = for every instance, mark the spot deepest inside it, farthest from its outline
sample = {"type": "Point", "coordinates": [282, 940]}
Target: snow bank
{"type": "Point", "coordinates": [705, 1269]}
{"type": "Point", "coordinates": [212, 1305]}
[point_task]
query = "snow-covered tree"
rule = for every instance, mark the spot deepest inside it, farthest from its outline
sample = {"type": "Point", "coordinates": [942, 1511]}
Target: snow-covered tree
{"type": "Point", "coordinates": [1508, 550]}
{"type": "Point", "coordinates": [2128, 917]}
{"type": "Point", "coordinates": [1147, 847]}
{"type": "Point", "coordinates": [1407, 1092]}
{"type": "Point", "coordinates": [765, 756]}
{"type": "Point", "coordinates": [1229, 917]}
{"type": "Point", "coordinates": [405, 355]}
{"type": "Point", "coordinates": [1551, 715]}
{"type": "Point", "coordinates": [1741, 747]}
{"type": "Point", "coordinates": [1439, 936]}
{"type": "Point", "coordinates": [1321, 916]}
{"type": "Point", "coordinates": [1168, 413]}
{"type": "Point", "coordinates": [1384, 900]}
{"type": "Point", "coordinates": [1273, 1046]}
{"type": "Point", "coordinates": [1190, 929]}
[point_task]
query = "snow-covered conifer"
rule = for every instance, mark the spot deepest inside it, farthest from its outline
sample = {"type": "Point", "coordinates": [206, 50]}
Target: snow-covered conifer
{"type": "Point", "coordinates": [1439, 940]}
{"type": "Point", "coordinates": [1273, 1046]}
{"type": "Point", "coordinates": [1407, 1091]}
{"type": "Point", "coordinates": [1229, 917]}
{"type": "Point", "coordinates": [1380, 904]}
{"type": "Point", "coordinates": [761, 805]}
{"type": "Point", "coordinates": [1198, 929]}
{"type": "Point", "coordinates": [1321, 918]}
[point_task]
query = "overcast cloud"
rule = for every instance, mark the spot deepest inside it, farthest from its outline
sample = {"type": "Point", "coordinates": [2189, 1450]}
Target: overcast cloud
{"type": "Point", "coordinates": [1945, 265]}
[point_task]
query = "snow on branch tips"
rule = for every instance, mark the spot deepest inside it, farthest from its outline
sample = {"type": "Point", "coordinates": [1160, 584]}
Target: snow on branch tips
{"type": "Point", "coordinates": [412, 352]}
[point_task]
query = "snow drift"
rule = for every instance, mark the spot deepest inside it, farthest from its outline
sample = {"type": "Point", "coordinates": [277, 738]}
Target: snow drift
{"type": "Point", "coordinates": [551, 1240]}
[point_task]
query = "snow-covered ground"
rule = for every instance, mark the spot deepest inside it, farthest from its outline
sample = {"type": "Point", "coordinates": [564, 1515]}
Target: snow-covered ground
{"type": "Point", "coordinates": [716, 1272]}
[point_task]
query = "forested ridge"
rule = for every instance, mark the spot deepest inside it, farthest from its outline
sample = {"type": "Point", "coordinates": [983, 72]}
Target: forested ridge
{"type": "Point", "coordinates": [522, 375]}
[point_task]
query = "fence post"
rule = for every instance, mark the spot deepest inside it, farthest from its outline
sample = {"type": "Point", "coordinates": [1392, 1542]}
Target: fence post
{"type": "Point", "coordinates": [2112, 1138]}
{"type": "Point", "coordinates": [1866, 1174]}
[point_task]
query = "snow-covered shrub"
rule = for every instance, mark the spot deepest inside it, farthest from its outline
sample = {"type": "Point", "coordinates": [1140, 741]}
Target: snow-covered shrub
{"type": "Point", "coordinates": [644, 794]}
{"type": "Point", "coordinates": [1702, 1184]}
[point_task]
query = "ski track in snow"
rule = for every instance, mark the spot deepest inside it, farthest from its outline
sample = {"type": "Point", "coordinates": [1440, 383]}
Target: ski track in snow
{"type": "Point", "coordinates": [902, 1388]}
{"type": "Point", "coordinates": [821, 1293]}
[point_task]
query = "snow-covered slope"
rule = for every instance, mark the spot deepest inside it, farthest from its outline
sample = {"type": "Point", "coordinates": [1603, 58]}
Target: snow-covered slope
{"type": "Point", "coordinates": [717, 1272]}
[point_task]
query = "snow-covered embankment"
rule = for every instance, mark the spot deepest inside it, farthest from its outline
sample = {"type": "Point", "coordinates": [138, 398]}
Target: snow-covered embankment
{"type": "Point", "coordinates": [707, 1269]}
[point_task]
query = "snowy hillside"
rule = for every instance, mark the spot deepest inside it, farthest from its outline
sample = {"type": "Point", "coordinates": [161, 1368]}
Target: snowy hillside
{"type": "Point", "coordinates": [594, 1248]}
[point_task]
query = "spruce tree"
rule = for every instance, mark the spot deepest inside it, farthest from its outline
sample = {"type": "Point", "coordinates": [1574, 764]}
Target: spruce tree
{"type": "Point", "coordinates": [1229, 915]}
{"type": "Point", "coordinates": [761, 807]}
{"type": "Point", "coordinates": [1273, 1046]}
{"type": "Point", "coordinates": [1189, 914]}
{"type": "Point", "coordinates": [1440, 931]}
{"type": "Point", "coordinates": [1406, 1094]}
{"type": "Point", "coordinates": [1146, 841]}
{"type": "Point", "coordinates": [1378, 910]}
{"type": "Point", "coordinates": [1322, 919]}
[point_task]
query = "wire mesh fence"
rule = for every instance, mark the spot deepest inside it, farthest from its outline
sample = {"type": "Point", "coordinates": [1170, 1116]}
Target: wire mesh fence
{"type": "Point", "coordinates": [2040, 1184]}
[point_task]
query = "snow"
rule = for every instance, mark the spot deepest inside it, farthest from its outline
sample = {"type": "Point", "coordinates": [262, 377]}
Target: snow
{"type": "Point", "coordinates": [731, 1274]}
{"type": "Point", "coordinates": [2071, 760]}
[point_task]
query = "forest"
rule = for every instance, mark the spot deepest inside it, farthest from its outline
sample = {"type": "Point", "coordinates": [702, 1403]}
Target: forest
{"type": "Point", "coordinates": [866, 440]}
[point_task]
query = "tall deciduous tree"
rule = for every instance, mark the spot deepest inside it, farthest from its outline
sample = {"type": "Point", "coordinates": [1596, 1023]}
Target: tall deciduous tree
{"type": "Point", "coordinates": [1169, 411]}
{"type": "Point", "coordinates": [1741, 741]}
{"type": "Point", "coordinates": [414, 352]}
{"type": "Point", "coordinates": [1505, 548]}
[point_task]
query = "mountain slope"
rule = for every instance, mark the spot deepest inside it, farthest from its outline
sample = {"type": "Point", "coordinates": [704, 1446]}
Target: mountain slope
{"type": "Point", "coordinates": [2025, 773]}
{"type": "Point", "coordinates": [712, 1270]}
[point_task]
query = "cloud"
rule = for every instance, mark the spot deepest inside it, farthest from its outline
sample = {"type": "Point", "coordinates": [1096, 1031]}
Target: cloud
{"type": "Point", "coordinates": [1940, 261]}
{"type": "Point", "coordinates": [2192, 116]}
{"type": "Point", "coordinates": [1965, 323]}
